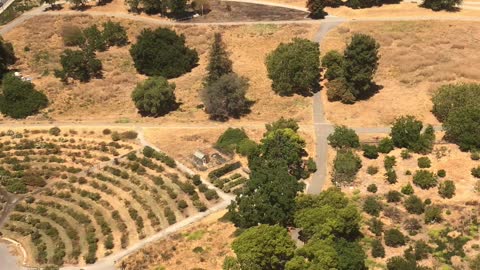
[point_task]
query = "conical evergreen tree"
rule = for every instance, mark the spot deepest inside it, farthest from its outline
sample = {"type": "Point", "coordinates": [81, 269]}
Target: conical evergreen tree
{"type": "Point", "coordinates": [219, 63]}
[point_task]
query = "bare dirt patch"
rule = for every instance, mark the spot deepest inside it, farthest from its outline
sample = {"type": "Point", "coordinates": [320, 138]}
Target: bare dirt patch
{"type": "Point", "coordinates": [416, 58]}
{"type": "Point", "coordinates": [109, 99]}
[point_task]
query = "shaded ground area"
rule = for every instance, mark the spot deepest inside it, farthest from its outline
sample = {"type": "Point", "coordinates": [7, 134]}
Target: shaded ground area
{"type": "Point", "coordinates": [236, 11]}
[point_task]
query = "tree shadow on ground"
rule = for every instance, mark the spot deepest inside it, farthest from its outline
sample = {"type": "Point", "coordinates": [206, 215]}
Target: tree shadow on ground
{"type": "Point", "coordinates": [174, 107]}
{"type": "Point", "coordinates": [374, 89]}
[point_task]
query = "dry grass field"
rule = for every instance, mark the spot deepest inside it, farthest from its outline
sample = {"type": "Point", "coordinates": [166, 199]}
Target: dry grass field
{"type": "Point", "coordinates": [200, 246]}
{"type": "Point", "coordinates": [108, 99]}
{"type": "Point", "coordinates": [416, 58]}
{"type": "Point", "coordinates": [458, 212]}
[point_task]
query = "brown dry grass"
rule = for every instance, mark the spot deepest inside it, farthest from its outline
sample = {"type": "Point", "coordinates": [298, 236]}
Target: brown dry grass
{"type": "Point", "coordinates": [176, 251]}
{"type": "Point", "coordinates": [416, 58]}
{"type": "Point", "coordinates": [109, 98]}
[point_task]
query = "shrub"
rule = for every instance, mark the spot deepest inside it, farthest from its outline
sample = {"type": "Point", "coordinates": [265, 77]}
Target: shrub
{"type": "Point", "coordinates": [345, 167]}
{"type": "Point", "coordinates": [394, 238]}
{"type": "Point", "coordinates": [162, 52]}
{"type": "Point", "coordinates": [114, 34]}
{"type": "Point", "coordinates": [361, 62]}
{"type": "Point", "coordinates": [407, 189]}
{"type": "Point", "coordinates": [225, 97]}
{"type": "Point", "coordinates": [424, 179]}
{"type": "Point", "coordinates": [424, 162]}
{"type": "Point", "coordinates": [19, 99]}
{"type": "Point", "coordinates": [54, 131]}
{"type": "Point", "coordinates": [370, 151]}
{"type": "Point", "coordinates": [389, 162]}
{"type": "Point", "coordinates": [453, 96]}
{"type": "Point", "coordinates": [391, 176]}
{"type": "Point", "coordinates": [230, 139]}
{"type": "Point", "coordinates": [447, 189]}
{"type": "Point", "coordinates": [394, 196]}
{"type": "Point", "coordinates": [337, 90]}
{"type": "Point", "coordinates": [294, 68]}
{"type": "Point", "coordinates": [197, 180]}
{"type": "Point", "coordinates": [378, 251]}
{"type": "Point", "coordinates": [94, 39]}
{"type": "Point", "coordinates": [315, 7]}
{"type": "Point", "coordinates": [211, 195]}
{"type": "Point", "coordinates": [372, 206]}
{"type": "Point", "coordinates": [419, 251]}
{"type": "Point", "coordinates": [461, 127]}
{"type": "Point", "coordinates": [217, 173]}
{"type": "Point", "coordinates": [433, 214]}
{"type": "Point", "coordinates": [435, 5]}
{"type": "Point", "coordinates": [474, 155]}
{"type": "Point", "coordinates": [441, 173]}
{"type": "Point", "coordinates": [385, 145]}
{"type": "Point", "coordinates": [333, 62]}
{"type": "Point", "coordinates": [405, 154]}
{"type": "Point", "coordinates": [476, 172]}
{"type": "Point", "coordinates": [356, 4]}
{"type": "Point", "coordinates": [414, 205]}
{"type": "Point", "coordinates": [372, 170]}
{"type": "Point", "coordinates": [106, 131]}
{"type": "Point", "coordinates": [154, 97]}
{"type": "Point", "coordinates": [343, 137]}
{"type": "Point", "coordinates": [427, 201]}
{"type": "Point", "coordinates": [372, 188]}
{"type": "Point", "coordinates": [79, 65]}
{"type": "Point", "coordinates": [407, 132]}
{"type": "Point", "coordinates": [311, 165]}
{"type": "Point", "coordinates": [72, 36]}
{"type": "Point", "coordinates": [376, 226]}
{"type": "Point", "coordinates": [182, 204]}
{"type": "Point", "coordinates": [412, 226]}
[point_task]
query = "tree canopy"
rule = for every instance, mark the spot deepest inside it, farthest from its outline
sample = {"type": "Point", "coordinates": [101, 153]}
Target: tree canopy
{"type": "Point", "coordinates": [7, 56]}
{"type": "Point", "coordinates": [161, 52]}
{"type": "Point", "coordinates": [155, 96]}
{"type": "Point", "coordinates": [294, 67]}
{"type": "Point", "coordinates": [19, 99]}
{"type": "Point", "coordinates": [407, 132]}
{"type": "Point", "coordinates": [343, 137]}
{"type": "Point", "coordinates": [79, 65]}
{"type": "Point", "coordinates": [219, 64]}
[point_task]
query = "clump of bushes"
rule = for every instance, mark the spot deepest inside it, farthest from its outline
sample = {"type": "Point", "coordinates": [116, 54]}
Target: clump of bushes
{"type": "Point", "coordinates": [372, 206]}
{"type": "Point", "coordinates": [446, 189]}
{"type": "Point", "coordinates": [424, 179]}
{"type": "Point", "coordinates": [370, 151]}
{"type": "Point", "coordinates": [414, 205]}
{"type": "Point", "coordinates": [394, 238]}
{"type": "Point", "coordinates": [372, 170]}
{"type": "Point", "coordinates": [424, 162]}
{"type": "Point", "coordinates": [407, 133]}
{"type": "Point", "coordinates": [345, 167]}
{"type": "Point", "coordinates": [154, 97]}
{"type": "Point", "coordinates": [372, 188]}
{"type": "Point", "coordinates": [394, 196]}
{"type": "Point", "coordinates": [343, 137]}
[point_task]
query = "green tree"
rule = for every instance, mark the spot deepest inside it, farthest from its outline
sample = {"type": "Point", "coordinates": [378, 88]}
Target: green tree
{"type": "Point", "coordinates": [462, 127]}
{"type": "Point", "coordinates": [177, 7]}
{"type": "Point", "coordinates": [114, 34]}
{"type": "Point", "coordinates": [219, 64]}
{"type": "Point", "coordinates": [343, 137]}
{"type": "Point", "coordinates": [394, 238]}
{"type": "Point", "coordinates": [407, 132]}
{"type": "Point", "coordinates": [294, 67]}
{"type": "Point", "coordinates": [378, 251]}
{"type": "Point", "coordinates": [400, 263]}
{"type": "Point", "coordinates": [7, 56]}
{"type": "Point", "coordinates": [424, 179]}
{"type": "Point", "coordinates": [361, 62]}
{"type": "Point", "coordinates": [264, 248]}
{"type": "Point", "coordinates": [453, 96]}
{"type": "Point", "coordinates": [162, 52]}
{"type": "Point", "coordinates": [371, 206]}
{"type": "Point", "coordinates": [436, 5]}
{"type": "Point", "coordinates": [79, 65]}
{"type": "Point", "coordinates": [414, 205]}
{"type": "Point", "coordinates": [19, 99]}
{"type": "Point", "coordinates": [228, 141]}
{"type": "Point", "coordinates": [345, 167]}
{"type": "Point", "coordinates": [94, 40]}
{"type": "Point", "coordinates": [338, 90]}
{"type": "Point", "coordinates": [282, 123]}
{"type": "Point", "coordinates": [154, 97]}
{"type": "Point", "coordinates": [446, 189]}
{"type": "Point", "coordinates": [225, 97]}
{"type": "Point", "coordinates": [315, 7]}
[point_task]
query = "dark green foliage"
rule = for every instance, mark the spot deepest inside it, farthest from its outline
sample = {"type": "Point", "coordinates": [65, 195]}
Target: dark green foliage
{"type": "Point", "coordinates": [405, 154]}
{"type": "Point", "coordinates": [400, 263]}
{"type": "Point", "coordinates": [219, 64]}
{"type": "Point", "coordinates": [446, 189]}
{"type": "Point", "coordinates": [343, 137]}
{"type": "Point", "coordinates": [424, 162]}
{"type": "Point", "coordinates": [371, 206]}
{"type": "Point", "coordinates": [345, 167]}
{"type": "Point", "coordinates": [372, 188]}
{"type": "Point", "coordinates": [378, 251]}
{"type": "Point", "coordinates": [361, 62]}
{"type": "Point", "coordinates": [333, 62]}
{"type": "Point", "coordinates": [391, 176]}
{"type": "Point", "coordinates": [375, 226]}
{"type": "Point", "coordinates": [462, 127]}
{"type": "Point", "coordinates": [230, 139]}
{"type": "Point", "coordinates": [282, 123]}
{"type": "Point", "coordinates": [294, 68]}
{"type": "Point", "coordinates": [424, 179]}
{"type": "Point", "coordinates": [389, 162]}
{"type": "Point", "coordinates": [247, 147]}
{"type": "Point", "coordinates": [311, 165]}
{"type": "Point", "coordinates": [412, 226]}
{"type": "Point", "coordinates": [154, 97]}
{"type": "Point", "coordinates": [372, 170]}
{"type": "Point", "coordinates": [370, 151]}
{"type": "Point", "coordinates": [407, 189]}
{"type": "Point", "coordinates": [394, 196]}
{"type": "Point", "coordinates": [407, 132]}
{"type": "Point", "coordinates": [315, 7]}
{"type": "Point", "coordinates": [19, 99]}
{"type": "Point", "coordinates": [385, 145]}
{"type": "Point", "coordinates": [114, 34]}
{"type": "Point", "coordinates": [162, 52]}
{"type": "Point", "coordinates": [414, 205]}
{"type": "Point", "coordinates": [217, 173]}
{"type": "Point", "coordinates": [433, 214]}
{"type": "Point", "coordinates": [419, 251]}
{"type": "Point", "coordinates": [338, 90]}
{"type": "Point", "coordinates": [225, 97]}
{"type": "Point", "coordinates": [7, 56]}
{"type": "Point", "coordinates": [474, 155]}
{"type": "Point", "coordinates": [79, 65]}
{"type": "Point", "coordinates": [453, 96]}
{"type": "Point", "coordinates": [441, 173]}
{"type": "Point", "coordinates": [476, 172]}
{"type": "Point", "coordinates": [264, 247]}
{"type": "Point", "coordinates": [394, 238]}
{"type": "Point", "coordinates": [437, 5]}
{"type": "Point", "coordinates": [94, 39]}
